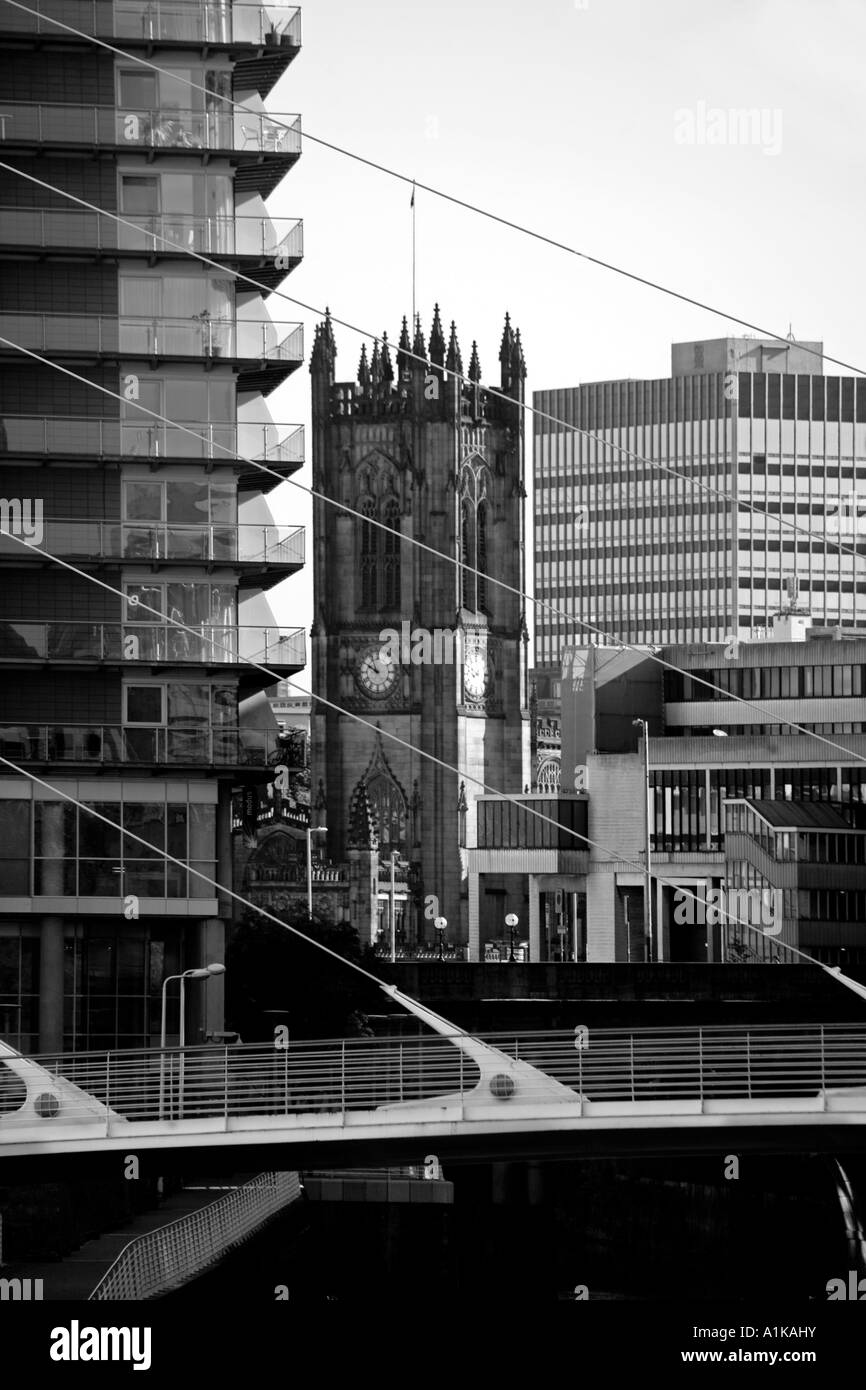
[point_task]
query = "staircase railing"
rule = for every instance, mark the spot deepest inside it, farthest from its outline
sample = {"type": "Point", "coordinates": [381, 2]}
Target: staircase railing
{"type": "Point", "coordinates": [175, 1253]}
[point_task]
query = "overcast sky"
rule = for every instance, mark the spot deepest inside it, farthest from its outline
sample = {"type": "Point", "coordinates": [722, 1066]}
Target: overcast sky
{"type": "Point", "coordinates": [598, 123]}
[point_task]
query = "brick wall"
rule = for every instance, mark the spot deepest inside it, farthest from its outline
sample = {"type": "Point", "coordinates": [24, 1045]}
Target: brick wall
{"type": "Point", "coordinates": [85, 494]}
{"type": "Point", "coordinates": [34, 390]}
{"type": "Point", "coordinates": [80, 698]}
{"type": "Point", "coordinates": [86, 80]}
{"type": "Point", "coordinates": [93, 179]}
{"type": "Point", "coordinates": [55, 597]}
{"type": "Point", "coordinates": [51, 288]}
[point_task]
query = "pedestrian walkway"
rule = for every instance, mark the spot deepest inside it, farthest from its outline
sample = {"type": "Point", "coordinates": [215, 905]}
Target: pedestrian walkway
{"type": "Point", "coordinates": [76, 1276]}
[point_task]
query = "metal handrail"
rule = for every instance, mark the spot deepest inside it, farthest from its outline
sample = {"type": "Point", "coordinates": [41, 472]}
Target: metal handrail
{"type": "Point", "coordinates": [175, 1253]}
{"type": "Point", "coordinates": [216, 128]}
{"type": "Point", "coordinates": [236, 22]}
{"type": "Point", "coordinates": [235, 542]}
{"type": "Point", "coordinates": [201, 335]}
{"type": "Point", "coordinates": [144, 641]}
{"type": "Point", "coordinates": [342, 1076]}
{"type": "Point", "coordinates": [140, 745]}
{"type": "Point", "coordinates": [76, 434]}
{"type": "Point", "coordinates": [228, 235]}
{"type": "Point", "coordinates": [743, 943]}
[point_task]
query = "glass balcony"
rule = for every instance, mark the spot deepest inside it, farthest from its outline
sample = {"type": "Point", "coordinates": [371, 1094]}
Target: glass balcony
{"type": "Point", "coordinates": [222, 129]}
{"type": "Point", "coordinates": [154, 642]}
{"type": "Point", "coordinates": [155, 234]}
{"type": "Point", "coordinates": [220, 22]}
{"type": "Point", "coordinates": [146, 540]}
{"type": "Point", "coordinates": [102, 744]}
{"type": "Point", "coordinates": [69, 435]}
{"type": "Point", "coordinates": [253, 340]}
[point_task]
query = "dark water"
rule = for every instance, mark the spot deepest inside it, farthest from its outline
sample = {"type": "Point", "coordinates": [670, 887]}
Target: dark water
{"type": "Point", "coordinates": [533, 1233]}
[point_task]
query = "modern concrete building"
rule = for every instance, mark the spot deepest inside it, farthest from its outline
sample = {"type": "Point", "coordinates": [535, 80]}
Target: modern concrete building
{"type": "Point", "coordinates": [648, 557]}
{"type": "Point", "coordinates": [707, 752]}
{"type": "Point", "coordinates": [108, 703]}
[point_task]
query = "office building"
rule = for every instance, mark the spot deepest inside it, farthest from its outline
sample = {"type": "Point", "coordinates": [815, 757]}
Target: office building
{"type": "Point", "coordinates": [103, 697]}
{"type": "Point", "coordinates": [624, 546]}
{"type": "Point", "coordinates": [739, 800]}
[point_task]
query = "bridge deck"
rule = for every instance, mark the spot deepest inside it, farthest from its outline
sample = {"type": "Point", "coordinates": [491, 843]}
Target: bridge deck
{"type": "Point", "coordinates": [356, 1090]}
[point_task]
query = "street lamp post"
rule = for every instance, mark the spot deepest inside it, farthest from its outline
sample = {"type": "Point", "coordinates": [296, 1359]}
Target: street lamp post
{"type": "Point", "coordinates": [441, 925]}
{"type": "Point", "coordinates": [511, 922]}
{"type": "Point", "coordinates": [201, 973]}
{"type": "Point", "coordinates": [393, 904]}
{"type": "Point", "coordinates": [311, 831]}
{"type": "Point", "coordinates": [642, 723]}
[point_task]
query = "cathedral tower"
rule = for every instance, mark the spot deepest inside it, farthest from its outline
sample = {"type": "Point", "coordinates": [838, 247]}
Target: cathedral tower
{"type": "Point", "coordinates": [441, 460]}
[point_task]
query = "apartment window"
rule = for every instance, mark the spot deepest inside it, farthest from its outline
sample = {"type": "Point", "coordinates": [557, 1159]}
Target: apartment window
{"type": "Point", "coordinates": [139, 196]}
{"type": "Point", "coordinates": [144, 704]}
{"type": "Point", "coordinates": [19, 986]}
{"type": "Point", "coordinates": [137, 90]}
{"type": "Point", "coordinates": [14, 847]}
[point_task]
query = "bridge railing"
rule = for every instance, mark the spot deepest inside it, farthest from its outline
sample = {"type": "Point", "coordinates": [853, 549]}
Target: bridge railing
{"type": "Point", "coordinates": [165, 1258]}
{"type": "Point", "coordinates": [361, 1074]}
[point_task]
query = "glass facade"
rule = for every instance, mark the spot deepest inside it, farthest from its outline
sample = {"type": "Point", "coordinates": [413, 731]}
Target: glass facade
{"type": "Point", "coordinates": [56, 849]}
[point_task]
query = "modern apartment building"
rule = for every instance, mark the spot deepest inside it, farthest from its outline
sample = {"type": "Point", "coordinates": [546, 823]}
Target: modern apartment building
{"type": "Point", "coordinates": [649, 557]}
{"type": "Point", "coordinates": [103, 697]}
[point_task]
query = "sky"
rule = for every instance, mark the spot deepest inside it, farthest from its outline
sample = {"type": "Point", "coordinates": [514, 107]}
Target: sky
{"type": "Point", "coordinates": [604, 124]}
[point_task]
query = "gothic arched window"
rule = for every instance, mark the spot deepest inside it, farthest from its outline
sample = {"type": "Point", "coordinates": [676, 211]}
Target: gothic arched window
{"type": "Point", "coordinates": [389, 809]}
{"type": "Point", "coordinates": [481, 554]}
{"type": "Point", "coordinates": [467, 555]}
{"type": "Point", "coordinates": [369, 556]}
{"type": "Point", "coordinates": [391, 557]}
{"type": "Point", "coordinates": [548, 775]}
{"type": "Point", "coordinates": [473, 538]}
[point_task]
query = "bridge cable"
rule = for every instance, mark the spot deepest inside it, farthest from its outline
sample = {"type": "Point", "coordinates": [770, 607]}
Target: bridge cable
{"type": "Point", "coordinates": [771, 715]}
{"type": "Point", "coordinates": [436, 192]}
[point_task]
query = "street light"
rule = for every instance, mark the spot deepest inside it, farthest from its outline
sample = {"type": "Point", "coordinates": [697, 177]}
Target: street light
{"type": "Point", "coordinates": [311, 831]}
{"type": "Point", "coordinates": [720, 733]}
{"type": "Point", "coordinates": [395, 854]}
{"type": "Point", "coordinates": [200, 973]}
{"type": "Point", "coordinates": [441, 925]}
{"type": "Point", "coordinates": [642, 724]}
{"type": "Point", "coordinates": [511, 922]}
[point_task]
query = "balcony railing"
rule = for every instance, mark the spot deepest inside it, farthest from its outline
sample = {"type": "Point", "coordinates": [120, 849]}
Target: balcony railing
{"type": "Point", "coordinates": [209, 21]}
{"type": "Point", "coordinates": [135, 335]}
{"type": "Point", "coordinates": [151, 642]}
{"type": "Point", "coordinates": [112, 743]}
{"type": "Point", "coordinates": [152, 540]}
{"type": "Point", "coordinates": [28, 122]}
{"type": "Point", "coordinates": [155, 232]}
{"type": "Point", "coordinates": [73, 435]}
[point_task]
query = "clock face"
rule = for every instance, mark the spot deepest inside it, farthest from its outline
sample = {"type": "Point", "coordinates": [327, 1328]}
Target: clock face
{"type": "Point", "coordinates": [475, 675]}
{"type": "Point", "coordinates": [377, 674]}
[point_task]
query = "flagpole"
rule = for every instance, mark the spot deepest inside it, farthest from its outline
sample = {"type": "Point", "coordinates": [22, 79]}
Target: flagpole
{"type": "Point", "coordinates": [412, 205]}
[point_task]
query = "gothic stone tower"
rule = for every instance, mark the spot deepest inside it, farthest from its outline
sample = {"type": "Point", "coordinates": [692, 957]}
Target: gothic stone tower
{"type": "Point", "coordinates": [441, 460]}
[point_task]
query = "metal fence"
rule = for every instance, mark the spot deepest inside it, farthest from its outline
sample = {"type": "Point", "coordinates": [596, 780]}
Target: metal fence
{"type": "Point", "coordinates": [170, 1256]}
{"type": "Point", "coordinates": [361, 1074]}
